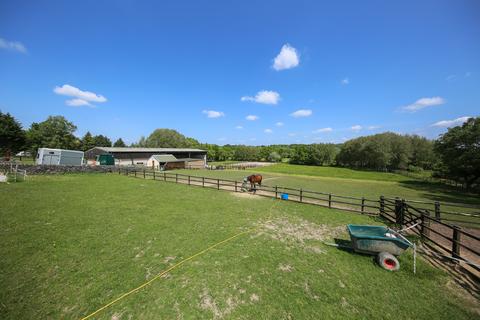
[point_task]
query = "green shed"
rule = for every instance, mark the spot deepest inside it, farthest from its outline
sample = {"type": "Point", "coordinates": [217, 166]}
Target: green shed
{"type": "Point", "coordinates": [105, 160]}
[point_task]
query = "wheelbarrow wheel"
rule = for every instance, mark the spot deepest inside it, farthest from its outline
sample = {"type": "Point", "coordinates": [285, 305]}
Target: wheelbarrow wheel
{"type": "Point", "coordinates": [388, 261]}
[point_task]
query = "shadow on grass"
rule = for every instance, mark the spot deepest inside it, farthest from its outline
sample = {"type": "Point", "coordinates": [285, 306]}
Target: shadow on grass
{"type": "Point", "coordinates": [441, 192]}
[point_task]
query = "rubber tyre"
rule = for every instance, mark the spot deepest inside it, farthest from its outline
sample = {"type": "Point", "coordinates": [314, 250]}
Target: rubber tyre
{"type": "Point", "coordinates": [388, 261]}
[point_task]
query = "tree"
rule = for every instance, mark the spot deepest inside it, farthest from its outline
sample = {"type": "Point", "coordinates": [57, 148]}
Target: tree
{"type": "Point", "coordinates": [55, 132]}
{"type": "Point", "coordinates": [168, 138]}
{"type": "Point", "coordinates": [102, 141]}
{"type": "Point", "coordinates": [87, 141]}
{"type": "Point", "coordinates": [459, 150]}
{"type": "Point", "coordinates": [274, 156]}
{"type": "Point", "coordinates": [12, 136]}
{"type": "Point", "coordinates": [119, 143]}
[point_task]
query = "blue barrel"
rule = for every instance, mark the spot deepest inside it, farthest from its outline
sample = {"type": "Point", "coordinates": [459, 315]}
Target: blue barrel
{"type": "Point", "coordinates": [284, 196]}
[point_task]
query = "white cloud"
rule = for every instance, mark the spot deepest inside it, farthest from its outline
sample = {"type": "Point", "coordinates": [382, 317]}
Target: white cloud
{"type": "Point", "coordinates": [450, 123]}
{"type": "Point", "coordinates": [78, 103]}
{"type": "Point", "coordinates": [292, 134]}
{"type": "Point", "coordinates": [322, 130]}
{"type": "Point", "coordinates": [424, 103]}
{"type": "Point", "coordinates": [345, 81]}
{"type": "Point", "coordinates": [12, 45]}
{"type": "Point", "coordinates": [373, 127]}
{"type": "Point", "coordinates": [239, 127]}
{"type": "Point", "coordinates": [268, 131]}
{"type": "Point", "coordinates": [451, 77]}
{"type": "Point", "coordinates": [82, 98]}
{"type": "Point", "coordinates": [213, 114]}
{"type": "Point", "coordinates": [279, 124]}
{"type": "Point", "coordinates": [251, 117]}
{"type": "Point", "coordinates": [264, 96]}
{"type": "Point", "coordinates": [356, 127]}
{"type": "Point", "coordinates": [287, 58]}
{"type": "Point", "coordinates": [302, 113]}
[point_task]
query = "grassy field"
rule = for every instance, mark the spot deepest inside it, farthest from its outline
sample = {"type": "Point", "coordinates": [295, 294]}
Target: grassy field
{"type": "Point", "coordinates": [336, 172]}
{"type": "Point", "coordinates": [349, 182]}
{"type": "Point", "coordinates": [72, 243]}
{"type": "Point", "coordinates": [373, 187]}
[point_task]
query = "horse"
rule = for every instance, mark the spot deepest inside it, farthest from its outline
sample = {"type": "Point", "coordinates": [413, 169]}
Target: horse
{"type": "Point", "coordinates": [254, 179]}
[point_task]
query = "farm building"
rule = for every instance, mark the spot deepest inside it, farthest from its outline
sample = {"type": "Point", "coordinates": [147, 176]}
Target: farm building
{"type": "Point", "coordinates": [184, 157]}
{"type": "Point", "coordinates": [57, 157]}
{"type": "Point", "coordinates": [167, 161]}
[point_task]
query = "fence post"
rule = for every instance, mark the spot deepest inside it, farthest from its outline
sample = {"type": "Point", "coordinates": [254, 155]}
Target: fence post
{"type": "Point", "coordinates": [456, 242]}
{"type": "Point", "coordinates": [425, 224]}
{"type": "Point", "coordinates": [399, 210]}
{"type": "Point", "coordinates": [437, 210]}
{"type": "Point", "coordinates": [301, 195]}
{"type": "Point", "coordinates": [218, 184]}
{"type": "Point", "coordinates": [176, 177]}
{"type": "Point", "coordinates": [235, 185]}
{"type": "Point", "coordinates": [153, 174]}
{"type": "Point", "coordinates": [203, 182]}
{"type": "Point", "coordinates": [363, 204]}
{"type": "Point", "coordinates": [276, 192]}
{"type": "Point", "coordinates": [188, 180]}
{"type": "Point", "coordinates": [164, 176]}
{"type": "Point", "coordinates": [382, 204]}
{"type": "Point", "coordinates": [135, 170]}
{"type": "Point", "coordinates": [329, 200]}
{"type": "Point", "coordinates": [144, 173]}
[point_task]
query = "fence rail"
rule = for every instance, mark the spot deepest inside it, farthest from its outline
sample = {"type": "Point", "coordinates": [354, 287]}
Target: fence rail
{"type": "Point", "coordinates": [457, 243]}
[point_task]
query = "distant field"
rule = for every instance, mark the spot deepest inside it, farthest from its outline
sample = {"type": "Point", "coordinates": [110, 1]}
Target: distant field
{"type": "Point", "coordinates": [375, 185]}
{"type": "Point", "coordinates": [333, 172]}
{"type": "Point", "coordinates": [72, 243]}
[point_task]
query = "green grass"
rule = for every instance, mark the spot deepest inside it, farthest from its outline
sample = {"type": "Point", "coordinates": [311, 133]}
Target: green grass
{"type": "Point", "coordinates": [403, 187]}
{"type": "Point", "coordinates": [72, 243]}
{"type": "Point", "coordinates": [334, 172]}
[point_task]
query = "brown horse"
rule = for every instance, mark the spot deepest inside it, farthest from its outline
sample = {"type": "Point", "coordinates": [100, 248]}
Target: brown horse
{"type": "Point", "coordinates": [254, 179]}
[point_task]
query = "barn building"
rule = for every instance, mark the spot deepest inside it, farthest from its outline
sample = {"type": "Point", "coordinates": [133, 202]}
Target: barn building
{"type": "Point", "coordinates": [177, 157]}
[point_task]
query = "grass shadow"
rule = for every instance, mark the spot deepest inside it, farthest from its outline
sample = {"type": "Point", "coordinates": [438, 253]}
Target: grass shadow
{"type": "Point", "coordinates": [436, 191]}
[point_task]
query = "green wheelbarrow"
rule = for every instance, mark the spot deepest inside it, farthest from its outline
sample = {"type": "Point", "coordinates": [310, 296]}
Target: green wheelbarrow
{"type": "Point", "coordinates": [380, 241]}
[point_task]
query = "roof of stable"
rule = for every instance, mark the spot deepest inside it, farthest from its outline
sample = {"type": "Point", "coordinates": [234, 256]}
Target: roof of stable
{"type": "Point", "coordinates": [165, 158]}
{"type": "Point", "coordinates": [131, 149]}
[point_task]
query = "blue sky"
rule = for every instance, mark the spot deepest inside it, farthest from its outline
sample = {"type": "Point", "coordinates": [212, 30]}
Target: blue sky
{"type": "Point", "coordinates": [326, 71]}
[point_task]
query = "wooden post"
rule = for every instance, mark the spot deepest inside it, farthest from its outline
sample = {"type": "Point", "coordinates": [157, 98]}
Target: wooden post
{"type": "Point", "coordinates": [203, 181]}
{"type": "Point", "coordinates": [276, 192]}
{"type": "Point", "coordinates": [164, 176]}
{"type": "Point", "coordinates": [188, 180]}
{"type": "Point", "coordinates": [235, 185]}
{"type": "Point", "coordinates": [218, 184]}
{"type": "Point", "coordinates": [456, 242]}
{"type": "Point", "coordinates": [363, 204]}
{"type": "Point", "coordinates": [176, 177]}
{"type": "Point", "coordinates": [437, 210]}
{"type": "Point", "coordinates": [399, 210]}
{"type": "Point", "coordinates": [382, 204]}
{"type": "Point", "coordinates": [144, 173]}
{"type": "Point", "coordinates": [153, 174]}
{"type": "Point", "coordinates": [329, 200]}
{"type": "Point", "coordinates": [301, 195]}
{"type": "Point", "coordinates": [425, 223]}
{"type": "Point", "coordinates": [135, 172]}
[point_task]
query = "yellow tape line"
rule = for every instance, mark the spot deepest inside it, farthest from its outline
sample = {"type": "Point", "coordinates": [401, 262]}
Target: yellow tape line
{"type": "Point", "coordinates": [163, 273]}
{"type": "Point", "coordinates": [173, 267]}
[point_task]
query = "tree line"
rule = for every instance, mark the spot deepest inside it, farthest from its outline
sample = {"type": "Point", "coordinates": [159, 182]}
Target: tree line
{"type": "Point", "coordinates": [454, 155]}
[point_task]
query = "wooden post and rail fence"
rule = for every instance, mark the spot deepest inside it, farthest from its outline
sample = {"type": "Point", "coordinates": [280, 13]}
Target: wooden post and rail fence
{"type": "Point", "coordinates": [433, 220]}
